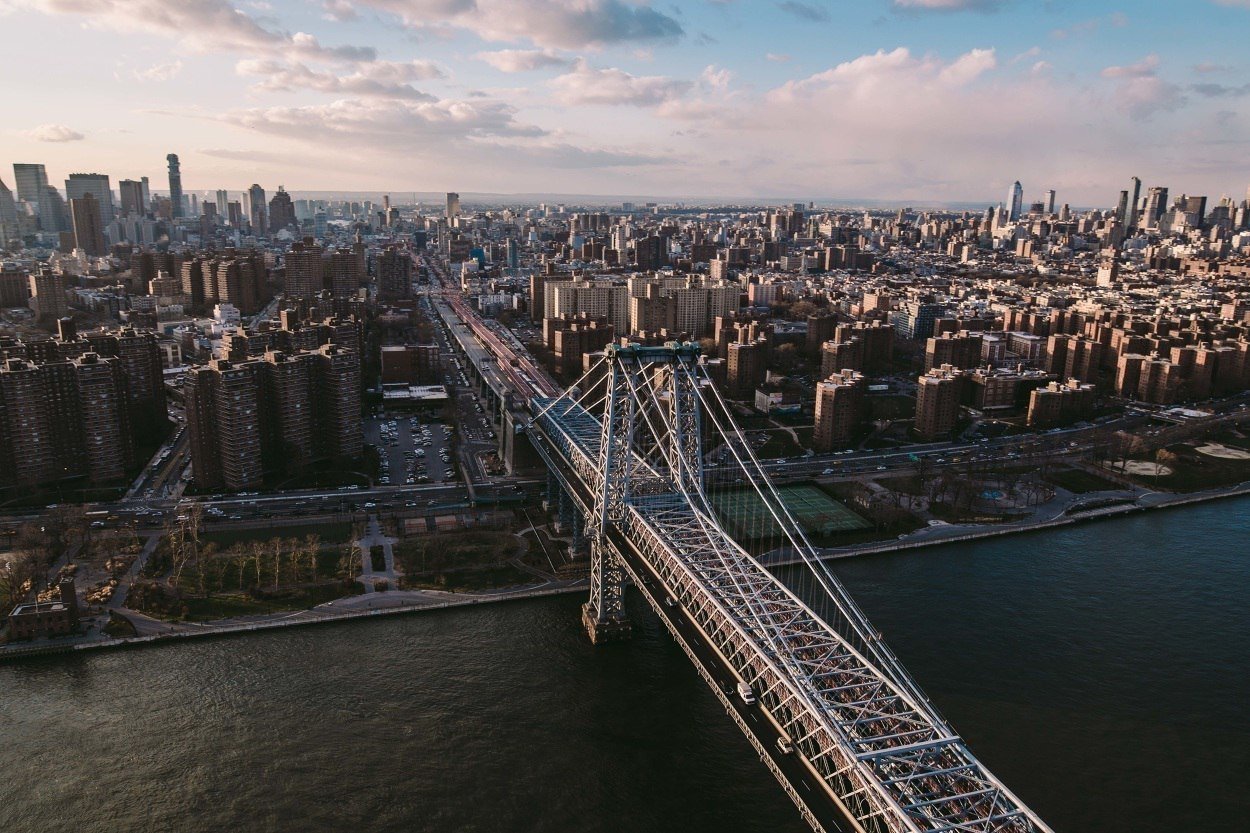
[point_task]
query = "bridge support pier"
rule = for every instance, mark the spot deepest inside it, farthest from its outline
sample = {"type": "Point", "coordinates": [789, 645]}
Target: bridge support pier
{"type": "Point", "coordinates": [604, 615]}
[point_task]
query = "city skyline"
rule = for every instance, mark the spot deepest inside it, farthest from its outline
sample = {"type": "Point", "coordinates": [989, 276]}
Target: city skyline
{"type": "Point", "coordinates": [936, 101]}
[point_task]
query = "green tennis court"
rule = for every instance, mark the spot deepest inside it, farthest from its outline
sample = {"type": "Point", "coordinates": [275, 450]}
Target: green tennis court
{"type": "Point", "coordinates": [743, 513]}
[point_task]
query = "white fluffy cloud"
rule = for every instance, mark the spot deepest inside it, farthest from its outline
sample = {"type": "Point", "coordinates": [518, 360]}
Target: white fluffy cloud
{"type": "Point", "coordinates": [54, 133]}
{"type": "Point", "coordinates": [586, 85]}
{"type": "Point", "coordinates": [562, 24]}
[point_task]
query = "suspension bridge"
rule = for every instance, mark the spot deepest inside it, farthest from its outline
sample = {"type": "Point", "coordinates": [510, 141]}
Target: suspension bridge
{"type": "Point", "coordinates": [831, 711]}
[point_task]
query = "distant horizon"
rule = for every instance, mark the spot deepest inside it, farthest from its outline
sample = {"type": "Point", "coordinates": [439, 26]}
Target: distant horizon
{"type": "Point", "coordinates": [695, 201]}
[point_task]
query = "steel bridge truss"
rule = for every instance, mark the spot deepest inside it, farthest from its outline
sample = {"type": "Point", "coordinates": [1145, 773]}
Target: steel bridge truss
{"type": "Point", "coordinates": [859, 723]}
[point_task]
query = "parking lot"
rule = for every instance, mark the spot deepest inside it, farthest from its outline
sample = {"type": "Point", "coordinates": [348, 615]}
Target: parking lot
{"type": "Point", "coordinates": [414, 450]}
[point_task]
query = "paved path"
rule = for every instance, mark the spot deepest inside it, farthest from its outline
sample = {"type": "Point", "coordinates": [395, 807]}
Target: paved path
{"type": "Point", "coordinates": [118, 599]}
{"type": "Point", "coordinates": [374, 538]}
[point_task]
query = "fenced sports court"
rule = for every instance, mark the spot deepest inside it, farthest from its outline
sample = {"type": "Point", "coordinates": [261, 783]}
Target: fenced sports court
{"type": "Point", "coordinates": [743, 513]}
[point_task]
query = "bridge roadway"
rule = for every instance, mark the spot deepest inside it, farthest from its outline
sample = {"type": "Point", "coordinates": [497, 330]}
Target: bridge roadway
{"type": "Point", "coordinates": [849, 736]}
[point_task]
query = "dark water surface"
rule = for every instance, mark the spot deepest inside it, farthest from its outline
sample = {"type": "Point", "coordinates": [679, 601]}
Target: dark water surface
{"type": "Point", "coordinates": [1102, 671]}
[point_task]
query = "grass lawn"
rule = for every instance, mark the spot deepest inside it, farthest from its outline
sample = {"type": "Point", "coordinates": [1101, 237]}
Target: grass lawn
{"type": "Point", "coordinates": [1081, 481]}
{"type": "Point", "coordinates": [454, 551]}
{"type": "Point", "coordinates": [779, 444]}
{"type": "Point", "coordinates": [469, 580]}
{"type": "Point", "coordinates": [228, 605]}
{"type": "Point", "coordinates": [1193, 472]}
{"type": "Point", "coordinates": [893, 406]}
{"type": "Point", "coordinates": [330, 533]}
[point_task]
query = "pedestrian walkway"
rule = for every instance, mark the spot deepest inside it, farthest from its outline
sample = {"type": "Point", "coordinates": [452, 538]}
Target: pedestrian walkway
{"type": "Point", "coordinates": [370, 577]}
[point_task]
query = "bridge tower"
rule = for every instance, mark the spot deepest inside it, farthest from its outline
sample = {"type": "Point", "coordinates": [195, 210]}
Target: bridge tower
{"type": "Point", "coordinates": [638, 381]}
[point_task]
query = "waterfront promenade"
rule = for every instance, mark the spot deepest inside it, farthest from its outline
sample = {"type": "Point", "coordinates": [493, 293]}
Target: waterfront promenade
{"type": "Point", "coordinates": [1064, 509]}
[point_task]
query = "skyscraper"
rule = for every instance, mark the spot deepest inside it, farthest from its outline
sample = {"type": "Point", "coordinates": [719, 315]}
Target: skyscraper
{"type": "Point", "coordinates": [281, 211]}
{"type": "Point", "coordinates": [79, 185]}
{"type": "Point", "coordinates": [88, 225]}
{"type": "Point", "coordinates": [1156, 205]}
{"type": "Point", "coordinates": [8, 215]}
{"type": "Point", "coordinates": [1050, 201]}
{"type": "Point", "coordinates": [453, 205]}
{"type": "Point", "coordinates": [223, 204]}
{"type": "Point", "coordinates": [131, 191]}
{"type": "Point", "coordinates": [1015, 198]}
{"type": "Point", "coordinates": [31, 181]}
{"type": "Point", "coordinates": [175, 185]}
{"type": "Point", "coordinates": [256, 204]}
{"type": "Point", "coordinates": [1121, 211]}
{"type": "Point", "coordinates": [1134, 205]}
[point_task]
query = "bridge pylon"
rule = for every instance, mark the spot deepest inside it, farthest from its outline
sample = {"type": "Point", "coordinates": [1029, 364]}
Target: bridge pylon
{"type": "Point", "coordinates": [604, 615]}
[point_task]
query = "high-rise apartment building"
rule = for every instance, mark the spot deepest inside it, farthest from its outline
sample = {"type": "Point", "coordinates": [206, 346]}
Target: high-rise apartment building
{"type": "Point", "coordinates": [63, 418]}
{"type": "Point", "coordinates": [223, 424]}
{"type": "Point", "coordinates": [104, 415]}
{"type": "Point", "coordinates": [839, 409]}
{"type": "Point", "coordinates": [47, 294]}
{"type": "Point", "coordinates": [336, 388]}
{"type": "Point", "coordinates": [393, 268]}
{"type": "Point", "coordinates": [962, 350]}
{"type": "Point", "coordinates": [305, 275]}
{"type": "Point", "coordinates": [588, 299]}
{"type": "Point", "coordinates": [175, 185]}
{"type": "Point", "coordinates": [275, 413]}
{"type": "Point", "coordinates": [937, 402]}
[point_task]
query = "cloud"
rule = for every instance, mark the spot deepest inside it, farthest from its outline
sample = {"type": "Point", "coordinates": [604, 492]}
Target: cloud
{"type": "Point", "coordinates": [54, 133]}
{"type": "Point", "coordinates": [160, 72]}
{"type": "Point", "coordinates": [777, 58]}
{"type": "Point", "coordinates": [1141, 92]}
{"type": "Point", "coordinates": [948, 5]}
{"type": "Point", "coordinates": [206, 25]}
{"type": "Point", "coordinates": [523, 60]}
{"type": "Point", "coordinates": [804, 11]}
{"type": "Point", "coordinates": [560, 24]}
{"type": "Point", "coordinates": [866, 75]}
{"type": "Point", "coordinates": [384, 123]}
{"type": "Point", "coordinates": [1144, 68]}
{"type": "Point", "coordinates": [585, 85]}
{"type": "Point", "coordinates": [340, 10]}
{"type": "Point", "coordinates": [1220, 90]}
{"type": "Point", "coordinates": [379, 79]}
{"type": "Point", "coordinates": [1207, 67]}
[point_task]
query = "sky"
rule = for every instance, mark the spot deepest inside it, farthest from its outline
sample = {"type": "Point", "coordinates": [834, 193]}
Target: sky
{"type": "Point", "coordinates": [922, 101]}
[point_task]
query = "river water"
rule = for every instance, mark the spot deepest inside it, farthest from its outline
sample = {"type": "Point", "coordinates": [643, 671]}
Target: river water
{"type": "Point", "coordinates": [1103, 671]}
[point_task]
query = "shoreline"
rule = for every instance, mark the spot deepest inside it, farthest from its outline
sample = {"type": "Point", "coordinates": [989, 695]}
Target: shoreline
{"type": "Point", "coordinates": [1163, 500]}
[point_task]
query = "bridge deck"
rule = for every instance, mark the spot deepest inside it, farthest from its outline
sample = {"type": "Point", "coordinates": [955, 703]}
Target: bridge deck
{"type": "Point", "coordinates": [887, 759]}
